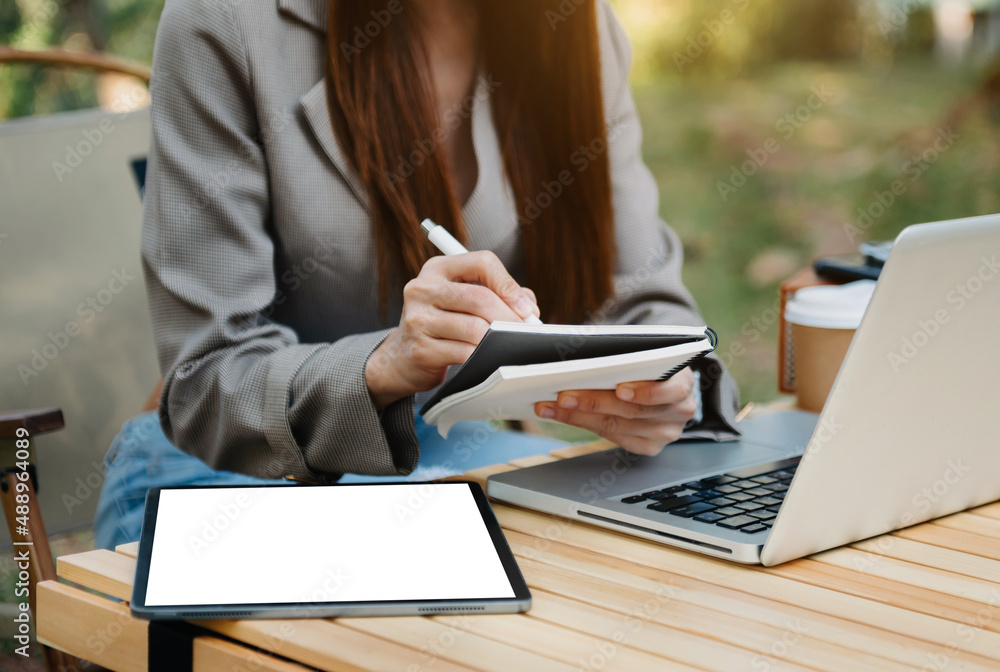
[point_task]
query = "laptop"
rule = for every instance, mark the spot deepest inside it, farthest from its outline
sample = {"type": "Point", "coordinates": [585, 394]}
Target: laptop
{"type": "Point", "coordinates": [908, 433]}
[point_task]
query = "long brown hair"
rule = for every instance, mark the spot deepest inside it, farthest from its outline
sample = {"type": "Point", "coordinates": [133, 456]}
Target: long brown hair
{"type": "Point", "coordinates": [549, 114]}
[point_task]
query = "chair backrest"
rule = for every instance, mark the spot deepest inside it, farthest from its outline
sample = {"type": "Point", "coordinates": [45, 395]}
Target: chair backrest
{"type": "Point", "coordinates": [73, 316]}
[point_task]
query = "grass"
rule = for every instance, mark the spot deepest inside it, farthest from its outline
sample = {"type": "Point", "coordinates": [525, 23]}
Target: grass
{"type": "Point", "coordinates": [739, 245]}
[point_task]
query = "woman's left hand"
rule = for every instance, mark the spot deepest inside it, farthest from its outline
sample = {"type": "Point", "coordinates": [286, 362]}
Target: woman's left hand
{"type": "Point", "coordinates": [641, 417]}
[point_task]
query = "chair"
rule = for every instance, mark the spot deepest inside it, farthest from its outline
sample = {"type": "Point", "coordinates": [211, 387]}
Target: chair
{"type": "Point", "coordinates": [75, 59]}
{"type": "Point", "coordinates": [19, 430]}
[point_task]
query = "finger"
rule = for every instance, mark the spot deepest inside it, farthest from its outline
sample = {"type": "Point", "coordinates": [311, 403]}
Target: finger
{"type": "Point", "coordinates": [487, 269]}
{"type": "Point", "coordinates": [605, 401]}
{"type": "Point", "coordinates": [425, 321]}
{"type": "Point", "coordinates": [475, 300]}
{"type": "Point", "coordinates": [655, 392]}
{"type": "Point", "coordinates": [638, 445]}
{"type": "Point", "coordinates": [655, 430]}
{"type": "Point", "coordinates": [534, 301]}
{"type": "Point", "coordinates": [456, 326]}
{"type": "Point", "coordinates": [430, 354]}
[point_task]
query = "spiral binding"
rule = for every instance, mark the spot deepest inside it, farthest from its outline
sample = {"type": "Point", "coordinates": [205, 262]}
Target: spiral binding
{"type": "Point", "coordinates": [713, 339]}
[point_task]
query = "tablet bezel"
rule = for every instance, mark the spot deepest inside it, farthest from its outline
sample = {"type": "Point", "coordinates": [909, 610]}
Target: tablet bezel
{"type": "Point", "coordinates": [521, 601]}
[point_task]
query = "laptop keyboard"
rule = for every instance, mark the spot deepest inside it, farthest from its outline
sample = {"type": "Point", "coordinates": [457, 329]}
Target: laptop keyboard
{"type": "Point", "coordinates": [746, 500]}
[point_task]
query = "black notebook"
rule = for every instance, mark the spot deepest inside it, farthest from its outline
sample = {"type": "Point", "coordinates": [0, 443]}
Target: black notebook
{"type": "Point", "coordinates": [518, 364]}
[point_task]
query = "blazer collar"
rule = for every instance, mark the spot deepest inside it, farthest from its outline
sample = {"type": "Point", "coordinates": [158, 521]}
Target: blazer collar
{"type": "Point", "coordinates": [311, 12]}
{"type": "Point", "coordinates": [317, 113]}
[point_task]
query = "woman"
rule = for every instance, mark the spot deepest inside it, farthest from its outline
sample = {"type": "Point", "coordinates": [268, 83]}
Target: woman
{"type": "Point", "coordinates": [299, 312]}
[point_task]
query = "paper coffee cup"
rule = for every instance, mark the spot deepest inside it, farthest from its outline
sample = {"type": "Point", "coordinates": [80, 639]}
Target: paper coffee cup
{"type": "Point", "coordinates": [823, 321]}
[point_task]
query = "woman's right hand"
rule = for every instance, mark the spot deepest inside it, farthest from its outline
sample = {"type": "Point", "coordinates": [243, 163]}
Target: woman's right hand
{"type": "Point", "coordinates": [447, 310]}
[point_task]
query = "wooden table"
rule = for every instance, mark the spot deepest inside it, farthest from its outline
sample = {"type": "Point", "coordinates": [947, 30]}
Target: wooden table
{"type": "Point", "coordinates": [924, 598]}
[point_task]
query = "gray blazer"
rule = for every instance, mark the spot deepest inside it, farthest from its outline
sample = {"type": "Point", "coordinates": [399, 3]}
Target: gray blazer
{"type": "Point", "coordinates": [259, 258]}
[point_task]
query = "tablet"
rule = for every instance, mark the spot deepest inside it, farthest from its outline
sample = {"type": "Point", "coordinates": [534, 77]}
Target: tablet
{"type": "Point", "coordinates": [287, 551]}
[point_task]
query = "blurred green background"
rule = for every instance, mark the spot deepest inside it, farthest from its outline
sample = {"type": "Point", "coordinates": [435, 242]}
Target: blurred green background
{"type": "Point", "coordinates": [848, 96]}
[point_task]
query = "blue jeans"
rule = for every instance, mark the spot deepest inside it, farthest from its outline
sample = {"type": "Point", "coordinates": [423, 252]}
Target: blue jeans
{"type": "Point", "coordinates": [141, 457]}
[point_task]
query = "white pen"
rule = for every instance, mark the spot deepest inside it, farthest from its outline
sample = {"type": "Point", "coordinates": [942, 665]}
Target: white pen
{"type": "Point", "coordinates": [446, 242]}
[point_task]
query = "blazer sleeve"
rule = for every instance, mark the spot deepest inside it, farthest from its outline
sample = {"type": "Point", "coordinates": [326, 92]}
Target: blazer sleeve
{"type": "Point", "coordinates": [648, 285]}
{"type": "Point", "coordinates": [240, 391]}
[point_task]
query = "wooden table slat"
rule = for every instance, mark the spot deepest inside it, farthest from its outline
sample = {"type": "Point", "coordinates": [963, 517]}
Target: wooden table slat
{"type": "Point", "coordinates": [925, 579]}
{"type": "Point", "coordinates": [953, 561]}
{"type": "Point", "coordinates": [110, 573]}
{"type": "Point", "coordinates": [958, 540]}
{"type": "Point", "coordinates": [624, 618]}
{"type": "Point", "coordinates": [668, 629]}
{"type": "Point", "coordinates": [91, 627]}
{"type": "Point", "coordinates": [971, 522]}
{"type": "Point", "coordinates": [131, 549]}
{"type": "Point", "coordinates": [581, 449]}
{"type": "Point", "coordinates": [441, 643]}
{"type": "Point", "coordinates": [564, 644]}
{"type": "Point", "coordinates": [874, 590]}
{"type": "Point", "coordinates": [211, 655]}
{"type": "Point", "coordinates": [531, 461]}
{"type": "Point", "coordinates": [480, 475]}
{"type": "Point", "coordinates": [328, 644]}
{"type": "Point", "coordinates": [989, 510]}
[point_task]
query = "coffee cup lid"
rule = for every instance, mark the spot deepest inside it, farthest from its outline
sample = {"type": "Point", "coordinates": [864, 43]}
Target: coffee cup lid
{"type": "Point", "coordinates": [830, 306]}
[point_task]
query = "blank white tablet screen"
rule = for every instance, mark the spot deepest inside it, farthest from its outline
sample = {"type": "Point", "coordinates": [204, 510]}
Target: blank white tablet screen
{"type": "Point", "coordinates": [288, 544]}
